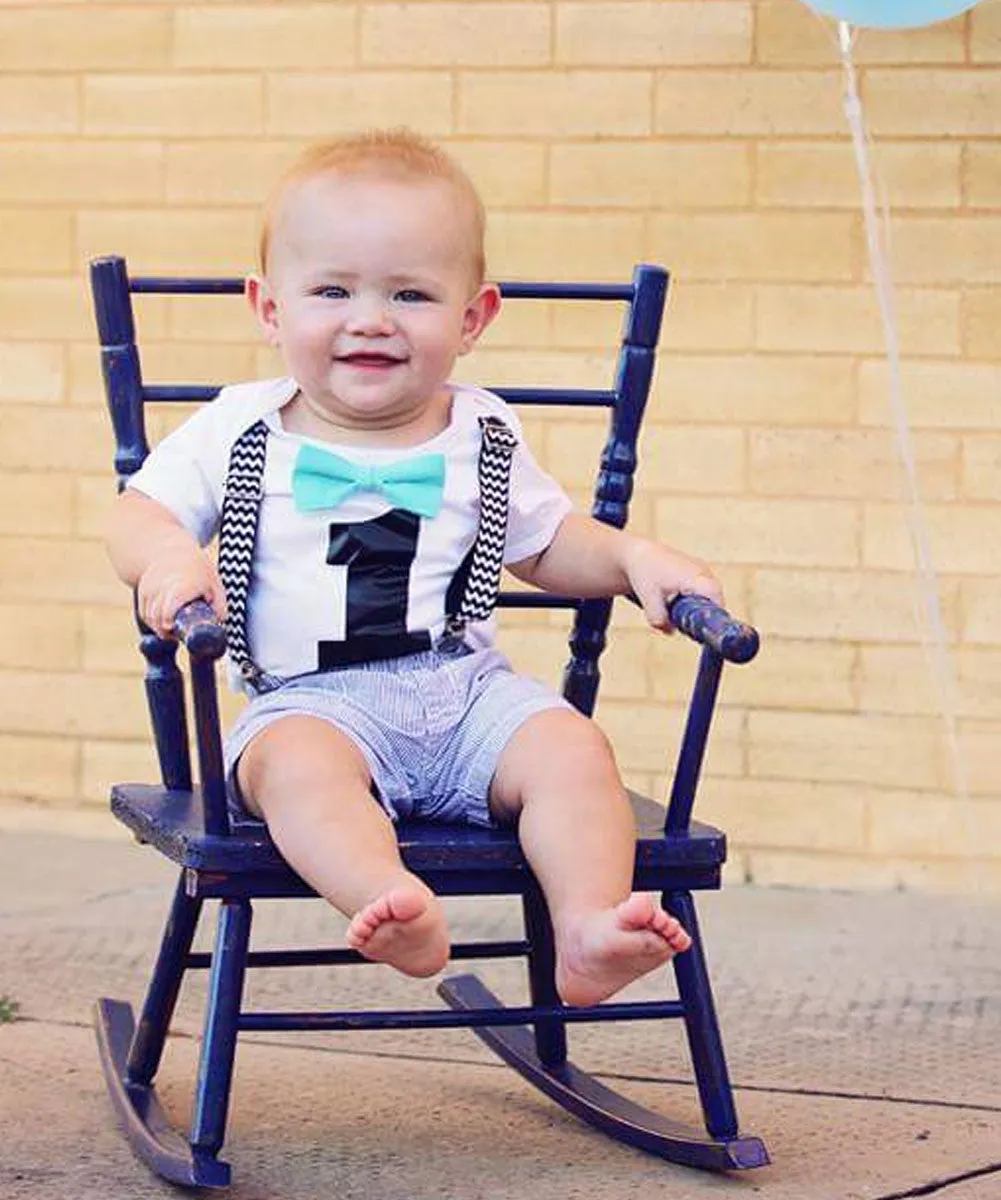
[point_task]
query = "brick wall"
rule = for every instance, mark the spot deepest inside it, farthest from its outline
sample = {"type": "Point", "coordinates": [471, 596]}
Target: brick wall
{"type": "Point", "coordinates": [705, 134]}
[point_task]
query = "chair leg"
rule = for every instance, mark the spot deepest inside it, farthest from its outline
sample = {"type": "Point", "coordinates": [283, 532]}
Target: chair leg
{"type": "Point", "coordinates": [161, 996]}
{"type": "Point", "coordinates": [550, 1035]}
{"type": "Point", "coordinates": [215, 1066]}
{"type": "Point", "coordinates": [695, 990]}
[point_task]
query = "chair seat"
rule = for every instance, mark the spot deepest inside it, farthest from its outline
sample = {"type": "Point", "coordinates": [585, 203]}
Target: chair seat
{"type": "Point", "coordinates": [173, 822]}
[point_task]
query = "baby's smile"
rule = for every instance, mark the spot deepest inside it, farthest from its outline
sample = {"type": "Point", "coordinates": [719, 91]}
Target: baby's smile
{"type": "Point", "coordinates": [370, 360]}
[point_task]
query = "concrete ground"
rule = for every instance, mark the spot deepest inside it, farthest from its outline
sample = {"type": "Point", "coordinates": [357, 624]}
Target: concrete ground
{"type": "Point", "coordinates": [863, 1033]}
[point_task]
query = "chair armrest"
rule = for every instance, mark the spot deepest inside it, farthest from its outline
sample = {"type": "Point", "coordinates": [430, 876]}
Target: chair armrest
{"type": "Point", "coordinates": [705, 622]}
{"type": "Point", "coordinates": [197, 626]}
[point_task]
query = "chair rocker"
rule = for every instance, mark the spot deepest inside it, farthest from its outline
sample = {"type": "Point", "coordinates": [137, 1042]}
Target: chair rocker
{"type": "Point", "coordinates": [188, 822]}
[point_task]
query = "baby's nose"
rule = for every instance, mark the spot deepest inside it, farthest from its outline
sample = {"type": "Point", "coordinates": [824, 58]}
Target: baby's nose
{"type": "Point", "coordinates": [370, 315]}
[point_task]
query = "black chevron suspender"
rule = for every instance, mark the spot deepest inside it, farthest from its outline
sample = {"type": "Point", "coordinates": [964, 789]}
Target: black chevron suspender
{"type": "Point", "coordinates": [238, 533]}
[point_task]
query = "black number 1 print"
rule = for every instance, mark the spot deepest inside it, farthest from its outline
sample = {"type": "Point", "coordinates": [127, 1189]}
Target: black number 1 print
{"type": "Point", "coordinates": [378, 555]}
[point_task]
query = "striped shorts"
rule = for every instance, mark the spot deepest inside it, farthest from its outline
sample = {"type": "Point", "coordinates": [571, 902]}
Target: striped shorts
{"type": "Point", "coordinates": [432, 726]}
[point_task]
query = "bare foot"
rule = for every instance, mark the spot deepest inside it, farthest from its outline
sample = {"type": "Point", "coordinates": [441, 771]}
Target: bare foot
{"type": "Point", "coordinates": [605, 950]}
{"type": "Point", "coordinates": [404, 927]}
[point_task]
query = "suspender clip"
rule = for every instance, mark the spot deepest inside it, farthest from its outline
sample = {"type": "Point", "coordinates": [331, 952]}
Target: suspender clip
{"type": "Point", "coordinates": [451, 635]}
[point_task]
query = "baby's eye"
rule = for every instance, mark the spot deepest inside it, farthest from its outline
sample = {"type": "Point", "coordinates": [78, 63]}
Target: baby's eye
{"type": "Point", "coordinates": [331, 291]}
{"type": "Point", "coordinates": [412, 296]}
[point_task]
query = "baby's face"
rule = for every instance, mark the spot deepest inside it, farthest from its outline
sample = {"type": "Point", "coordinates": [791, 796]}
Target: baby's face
{"type": "Point", "coordinates": [370, 294]}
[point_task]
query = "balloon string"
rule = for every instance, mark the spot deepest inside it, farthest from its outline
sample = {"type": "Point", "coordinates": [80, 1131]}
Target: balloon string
{"type": "Point", "coordinates": [877, 234]}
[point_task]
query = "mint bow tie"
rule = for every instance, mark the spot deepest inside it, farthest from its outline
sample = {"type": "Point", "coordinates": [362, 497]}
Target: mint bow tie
{"type": "Point", "coordinates": [321, 479]}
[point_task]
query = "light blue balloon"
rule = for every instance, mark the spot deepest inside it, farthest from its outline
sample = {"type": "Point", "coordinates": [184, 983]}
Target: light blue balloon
{"type": "Point", "coordinates": [891, 14]}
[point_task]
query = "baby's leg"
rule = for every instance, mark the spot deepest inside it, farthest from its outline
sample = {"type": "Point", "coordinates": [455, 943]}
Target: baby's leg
{"type": "Point", "coordinates": [310, 783]}
{"type": "Point", "coordinates": [558, 775]}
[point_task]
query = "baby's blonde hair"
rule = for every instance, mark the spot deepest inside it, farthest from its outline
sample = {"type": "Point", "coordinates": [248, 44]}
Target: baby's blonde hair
{"type": "Point", "coordinates": [393, 154]}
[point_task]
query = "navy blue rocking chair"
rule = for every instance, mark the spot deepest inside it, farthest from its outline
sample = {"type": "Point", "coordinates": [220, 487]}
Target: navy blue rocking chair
{"type": "Point", "coordinates": [188, 822]}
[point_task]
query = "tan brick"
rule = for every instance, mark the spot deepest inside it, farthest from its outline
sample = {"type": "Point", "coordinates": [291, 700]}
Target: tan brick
{"type": "Point", "coordinates": [788, 532]}
{"type": "Point", "coordinates": [936, 681]}
{"type": "Point", "coordinates": [825, 175]}
{"type": "Point", "coordinates": [579, 324]}
{"type": "Point", "coordinates": [541, 245]}
{"type": "Point", "coordinates": [456, 35]}
{"type": "Point", "coordinates": [944, 250]}
{"type": "Point", "coordinates": [968, 877]}
{"type": "Point", "coordinates": [845, 606]}
{"type": "Point", "coordinates": [709, 317]}
{"type": "Point", "coordinates": [841, 747]}
{"type": "Point", "coordinates": [40, 637]}
{"type": "Point", "coordinates": [982, 179]}
{"type": "Point", "coordinates": [224, 172]}
{"type": "Point", "coordinates": [39, 241]}
{"type": "Point", "coordinates": [690, 459]}
{"type": "Point", "coordinates": [110, 639]}
{"type": "Point", "coordinates": [985, 34]}
{"type": "Point", "coordinates": [39, 768]}
{"type": "Point", "coordinates": [981, 316]}
{"type": "Point", "coordinates": [555, 104]}
{"type": "Point", "coordinates": [806, 869]}
{"type": "Point", "coordinates": [978, 755]}
{"type": "Point", "coordinates": [94, 497]}
{"type": "Point", "coordinates": [780, 815]}
{"type": "Point", "coordinates": [934, 827]}
{"type": "Point", "coordinates": [543, 654]}
{"type": "Point", "coordinates": [506, 174]}
{"type": "Point", "coordinates": [68, 172]}
{"type": "Point", "coordinates": [556, 368]}
{"type": "Point", "coordinates": [322, 104]}
{"type": "Point", "coordinates": [967, 103]}
{"type": "Point", "coordinates": [172, 240]}
{"type": "Point", "coordinates": [48, 37]}
{"type": "Point", "coordinates": [174, 105]}
{"type": "Point", "coordinates": [981, 478]}
{"type": "Point", "coordinates": [104, 763]}
{"type": "Point", "coordinates": [84, 385]}
{"type": "Point", "coordinates": [38, 104]}
{"type": "Point", "coordinates": [31, 373]}
{"type": "Point", "coordinates": [794, 37]}
{"type": "Point", "coordinates": [937, 395]}
{"type": "Point", "coordinates": [209, 319]}
{"type": "Point", "coordinates": [630, 33]}
{"type": "Point", "coordinates": [56, 569]}
{"type": "Point", "coordinates": [646, 736]}
{"type": "Point", "coordinates": [272, 37]}
{"type": "Point", "coordinates": [796, 675]}
{"type": "Point", "coordinates": [268, 363]}
{"type": "Point", "coordinates": [981, 605]}
{"type": "Point", "coordinates": [757, 246]}
{"type": "Point", "coordinates": [961, 540]}
{"type": "Point", "coordinates": [70, 704]}
{"type": "Point", "coordinates": [849, 463]}
{"type": "Point", "coordinates": [51, 308]}
{"type": "Point", "coordinates": [527, 324]}
{"type": "Point", "coordinates": [193, 362]}
{"type": "Point", "coordinates": [743, 103]}
{"type": "Point", "coordinates": [35, 504]}
{"type": "Point", "coordinates": [652, 174]}
{"type": "Point", "coordinates": [56, 439]}
{"type": "Point", "coordinates": [846, 319]}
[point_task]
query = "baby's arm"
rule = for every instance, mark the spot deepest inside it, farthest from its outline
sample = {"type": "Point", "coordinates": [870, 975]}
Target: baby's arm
{"type": "Point", "coordinates": [589, 559]}
{"type": "Point", "coordinates": [155, 554]}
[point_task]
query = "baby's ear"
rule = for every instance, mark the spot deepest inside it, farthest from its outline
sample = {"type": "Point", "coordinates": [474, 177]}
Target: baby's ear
{"type": "Point", "coordinates": [263, 307]}
{"type": "Point", "coordinates": [480, 311]}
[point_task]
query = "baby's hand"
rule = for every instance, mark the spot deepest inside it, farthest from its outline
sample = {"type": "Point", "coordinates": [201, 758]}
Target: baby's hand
{"type": "Point", "coordinates": [659, 574]}
{"type": "Point", "coordinates": [182, 571]}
